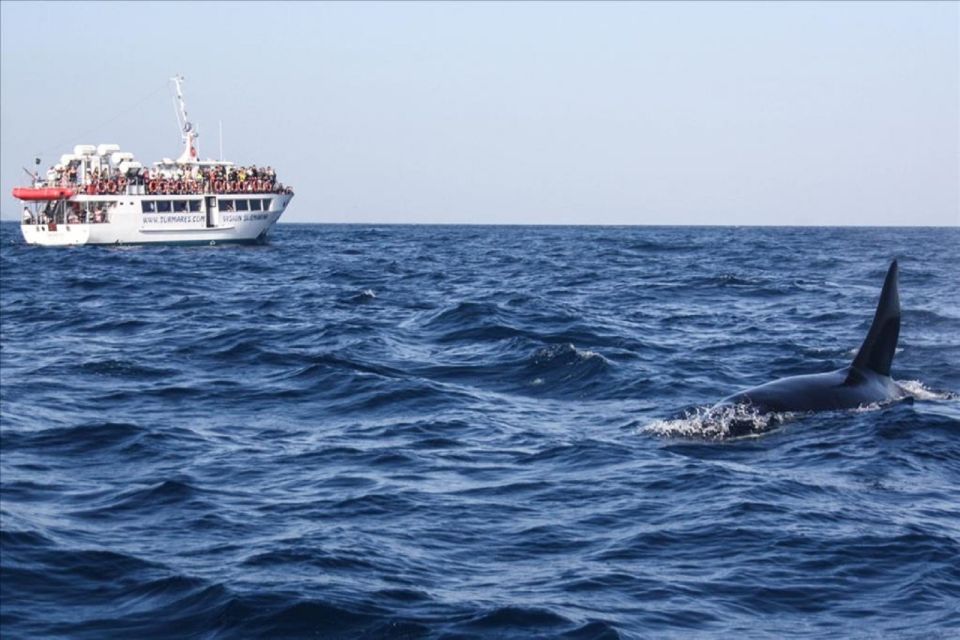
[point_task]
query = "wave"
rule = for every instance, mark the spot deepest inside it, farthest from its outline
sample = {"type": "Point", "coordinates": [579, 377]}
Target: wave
{"type": "Point", "coordinates": [302, 558]}
{"type": "Point", "coordinates": [919, 391]}
{"type": "Point", "coordinates": [564, 367]}
{"type": "Point", "coordinates": [79, 439]}
{"type": "Point", "coordinates": [153, 502]}
{"type": "Point", "coordinates": [365, 296]}
{"type": "Point", "coordinates": [525, 621]}
{"type": "Point", "coordinates": [99, 283]}
{"type": "Point", "coordinates": [553, 369]}
{"type": "Point", "coordinates": [116, 326]}
{"type": "Point", "coordinates": [125, 369]}
{"type": "Point", "coordinates": [471, 321]}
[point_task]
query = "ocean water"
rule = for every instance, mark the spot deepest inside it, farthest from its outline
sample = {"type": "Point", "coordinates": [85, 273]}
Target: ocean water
{"type": "Point", "coordinates": [473, 432]}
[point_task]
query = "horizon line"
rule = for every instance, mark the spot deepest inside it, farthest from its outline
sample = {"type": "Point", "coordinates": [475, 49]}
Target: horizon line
{"type": "Point", "coordinates": [16, 220]}
{"type": "Point", "coordinates": [639, 224]}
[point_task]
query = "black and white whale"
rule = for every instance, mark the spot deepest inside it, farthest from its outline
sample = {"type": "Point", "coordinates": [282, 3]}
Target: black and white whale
{"type": "Point", "coordinates": [866, 381]}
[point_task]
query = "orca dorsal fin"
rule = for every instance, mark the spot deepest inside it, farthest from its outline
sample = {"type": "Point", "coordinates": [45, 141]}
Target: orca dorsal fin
{"type": "Point", "coordinates": [876, 352]}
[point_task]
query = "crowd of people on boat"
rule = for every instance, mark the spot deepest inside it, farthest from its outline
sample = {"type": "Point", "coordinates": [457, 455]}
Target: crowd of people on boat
{"type": "Point", "coordinates": [63, 175]}
{"type": "Point", "coordinates": [188, 180]}
{"type": "Point", "coordinates": [216, 179]}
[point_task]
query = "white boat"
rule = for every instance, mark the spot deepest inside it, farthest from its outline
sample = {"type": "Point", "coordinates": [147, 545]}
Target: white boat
{"type": "Point", "coordinates": [101, 195]}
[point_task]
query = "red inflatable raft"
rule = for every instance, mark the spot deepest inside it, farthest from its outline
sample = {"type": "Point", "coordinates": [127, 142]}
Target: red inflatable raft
{"type": "Point", "coordinates": [45, 193]}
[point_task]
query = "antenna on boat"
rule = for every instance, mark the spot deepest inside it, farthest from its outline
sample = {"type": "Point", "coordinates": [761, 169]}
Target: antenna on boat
{"type": "Point", "coordinates": [221, 141]}
{"type": "Point", "coordinates": [187, 131]}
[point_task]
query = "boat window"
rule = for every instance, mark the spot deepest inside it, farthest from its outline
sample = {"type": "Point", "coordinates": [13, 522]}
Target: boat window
{"type": "Point", "coordinates": [163, 206]}
{"type": "Point", "coordinates": [194, 205]}
{"type": "Point", "coordinates": [179, 206]}
{"type": "Point", "coordinates": [149, 206]}
{"type": "Point", "coordinates": [266, 204]}
{"type": "Point", "coordinates": [241, 205]}
{"type": "Point", "coordinates": [226, 205]}
{"type": "Point", "coordinates": [255, 204]}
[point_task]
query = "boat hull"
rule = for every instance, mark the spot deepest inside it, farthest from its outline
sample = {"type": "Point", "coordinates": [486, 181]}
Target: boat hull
{"type": "Point", "coordinates": [128, 225]}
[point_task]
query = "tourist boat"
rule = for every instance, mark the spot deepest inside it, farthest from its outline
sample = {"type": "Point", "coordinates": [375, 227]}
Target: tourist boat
{"type": "Point", "coordinates": [101, 195]}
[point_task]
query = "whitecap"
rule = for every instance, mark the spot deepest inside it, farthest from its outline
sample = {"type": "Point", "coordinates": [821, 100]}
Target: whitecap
{"type": "Point", "coordinates": [716, 423]}
{"type": "Point", "coordinates": [919, 391]}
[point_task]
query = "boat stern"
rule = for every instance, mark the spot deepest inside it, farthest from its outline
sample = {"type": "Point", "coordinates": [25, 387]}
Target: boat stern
{"type": "Point", "coordinates": [55, 235]}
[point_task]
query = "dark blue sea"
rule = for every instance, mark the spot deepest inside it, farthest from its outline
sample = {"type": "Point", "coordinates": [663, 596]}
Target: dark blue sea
{"type": "Point", "coordinates": [474, 432]}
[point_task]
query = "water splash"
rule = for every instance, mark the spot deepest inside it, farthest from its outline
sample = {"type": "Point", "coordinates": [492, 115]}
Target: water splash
{"type": "Point", "coordinates": [557, 355]}
{"type": "Point", "coordinates": [734, 421]}
{"type": "Point", "coordinates": [718, 423]}
{"type": "Point", "coordinates": [367, 295]}
{"type": "Point", "coordinates": [919, 391]}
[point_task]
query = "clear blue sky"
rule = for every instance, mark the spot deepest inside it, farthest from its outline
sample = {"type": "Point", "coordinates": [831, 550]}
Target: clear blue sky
{"type": "Point", "coordinates": [620, 113]}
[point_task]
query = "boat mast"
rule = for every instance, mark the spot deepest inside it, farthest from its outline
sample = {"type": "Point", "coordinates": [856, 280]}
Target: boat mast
{"type": "Point", "coordinates": [187, 133]}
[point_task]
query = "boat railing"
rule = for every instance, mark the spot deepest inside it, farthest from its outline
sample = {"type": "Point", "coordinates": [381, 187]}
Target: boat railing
{"type": "Point", "coordinates": [138, 185]}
